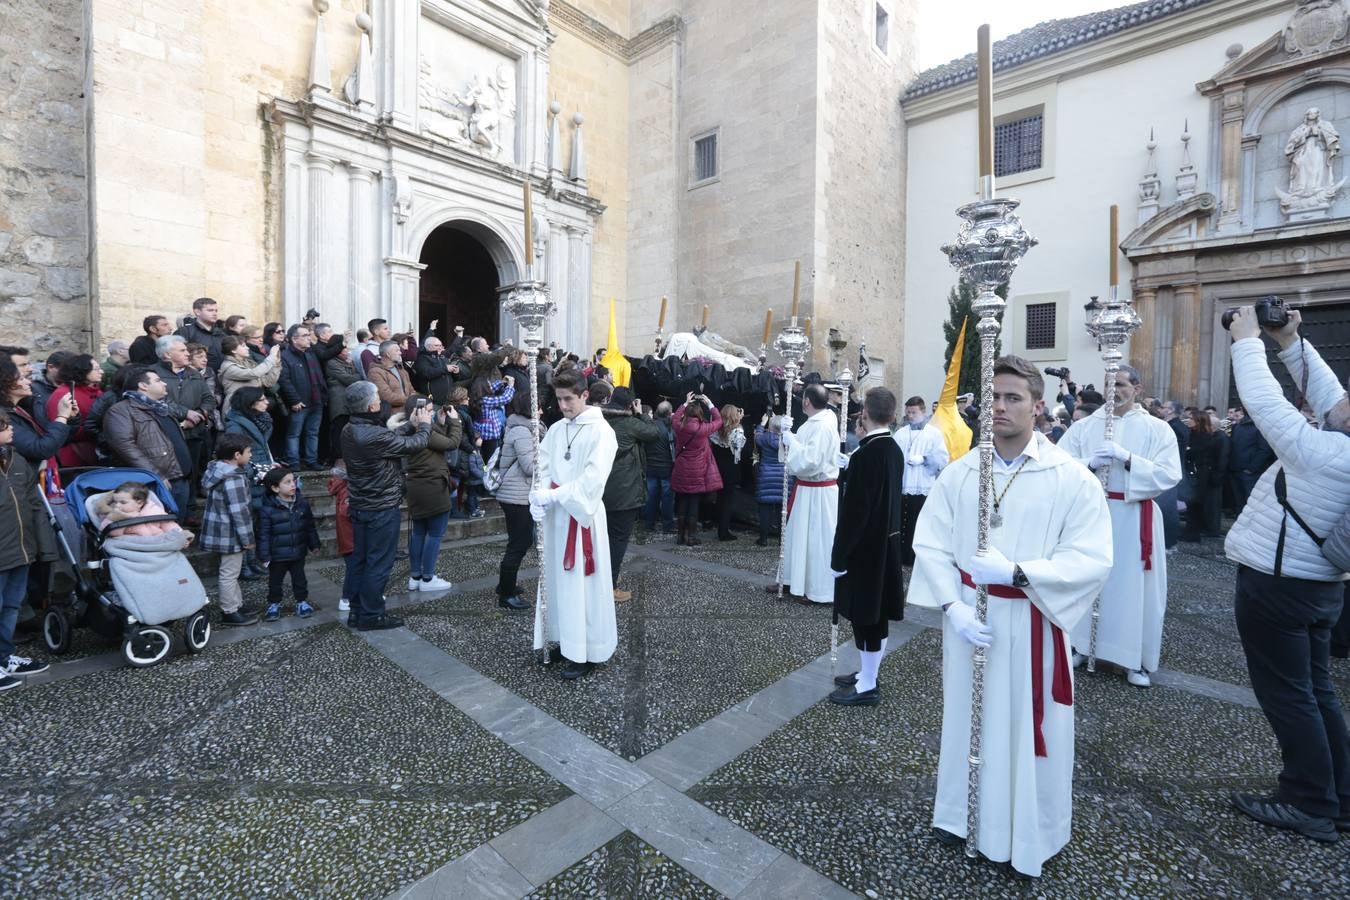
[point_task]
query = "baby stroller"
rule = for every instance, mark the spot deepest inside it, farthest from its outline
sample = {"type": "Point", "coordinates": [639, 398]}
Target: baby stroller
{"type": "Point", "coordinates": [133, 586]}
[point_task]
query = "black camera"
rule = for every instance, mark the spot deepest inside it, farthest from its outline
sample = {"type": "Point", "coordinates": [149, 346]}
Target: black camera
{"type": "Point", "coordinates": [1056, 373]}
{"type": "Point", "coordinates": [1270, 313]}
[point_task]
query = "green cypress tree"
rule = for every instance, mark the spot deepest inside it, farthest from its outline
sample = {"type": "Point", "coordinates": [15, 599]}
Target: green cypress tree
{"type": "Point", "coordinates": [959, 303]}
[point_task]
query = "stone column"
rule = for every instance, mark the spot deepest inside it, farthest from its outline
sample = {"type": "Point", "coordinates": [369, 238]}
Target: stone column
{"type": "Point", "coordinates": [405, 276]}
{"type": "Point", "coordinates": [556, 267]}
{"type": "Point", "coordinates": [1230, 159]}
{"type": "Point", "coordinates": [1141, 344]}
{"type": "Point", "coordinates": [1186, 344]}
{"type": "Point", "coordinates": [578, 290]}
{"type": "Point", "coordinates": [362, 248]}
{"type": "Point", "coordinates": [318, 264]}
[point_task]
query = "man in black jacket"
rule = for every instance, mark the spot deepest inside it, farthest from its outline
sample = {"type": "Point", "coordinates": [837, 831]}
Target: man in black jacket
{"type": "Point", "coordinates": [142, 350]}
{"type": "Point", "coordinates": [869, 588]}
{"type": "Point", "coordinates": [1171, 411]}
{"type": "Point", "coordinates": [431, 371]}
{"type": "Point", "coordinates": [1249, 456]}
{"type": "Point", "coordinates": [374, 456]}
{"type": "Point", "coordinates": [304, 390]}
{"type": "Point", "coordinates": [205, 329]}
{"type": "Point", "coordinates": [191, 402]}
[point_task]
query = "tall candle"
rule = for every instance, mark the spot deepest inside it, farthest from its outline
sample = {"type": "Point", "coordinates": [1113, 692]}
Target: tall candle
{"type": "Point", "coordinates": [984, 67]}
{"type": "Point", "coordinates": [796, 288]}
{"type": "Point", "coordinates": [705, 315]}
{"type": "Point", "coordinates": [529, 224]}
{"type": "Point", "coordinates": [661, 322]}
{"type": "Point", "coordinates": [808, 328]}
{"type": "Point", "coordinates": [1115, 245]}
{"type": "Point", "coordinates": [768, 324]}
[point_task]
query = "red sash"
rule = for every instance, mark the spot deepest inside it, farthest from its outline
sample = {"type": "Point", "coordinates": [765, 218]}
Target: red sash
{"type": "Point", "coordinates": [792, 495]}
{"type": "Point", "coordinates": [1145, 528]}
{"type": "Point", "coordinates": [570, 552]}
{"type": "Point", "coordinates": [1061, 688]}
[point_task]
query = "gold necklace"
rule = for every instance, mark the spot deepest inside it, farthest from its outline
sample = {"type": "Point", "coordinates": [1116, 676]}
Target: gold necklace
{"type": "Point", "coordinates": [996, 520]}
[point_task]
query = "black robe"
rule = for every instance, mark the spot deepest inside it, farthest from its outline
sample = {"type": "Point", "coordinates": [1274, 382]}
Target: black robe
{"type": "Point", "coordinates": [867, 538]}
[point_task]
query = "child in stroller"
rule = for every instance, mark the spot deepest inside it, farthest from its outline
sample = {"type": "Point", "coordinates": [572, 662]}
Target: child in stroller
{"type": "Point", "coordinates": [137, 580]}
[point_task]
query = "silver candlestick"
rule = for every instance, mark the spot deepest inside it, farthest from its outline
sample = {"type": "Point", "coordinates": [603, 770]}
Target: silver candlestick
{"type": "Point", "coordinates": [794, 346]}
{"type": "Point", "coordinates": [845, 380]}
{"type": "Point", "coordinates": [1110, 324]}
{"type": "Point", "coordinates": [986, 252]}
{"type": "Point", "coordinates": [530, 305]}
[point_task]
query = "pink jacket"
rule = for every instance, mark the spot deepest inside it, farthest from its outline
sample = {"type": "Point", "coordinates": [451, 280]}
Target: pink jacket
{"type": "Point", "coordinates": [695, 470]}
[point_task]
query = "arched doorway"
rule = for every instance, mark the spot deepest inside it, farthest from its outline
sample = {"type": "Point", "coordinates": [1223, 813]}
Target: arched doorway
{"type": "Point", "coordinates": [459, 284]}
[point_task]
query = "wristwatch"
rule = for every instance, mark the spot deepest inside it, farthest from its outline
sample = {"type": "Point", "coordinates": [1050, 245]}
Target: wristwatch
{"type": "Point", "coordinates": [1020, 578]}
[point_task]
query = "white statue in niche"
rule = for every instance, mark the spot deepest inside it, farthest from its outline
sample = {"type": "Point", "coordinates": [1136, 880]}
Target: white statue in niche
{"type": "Point", "coordinates": [1312, 150]}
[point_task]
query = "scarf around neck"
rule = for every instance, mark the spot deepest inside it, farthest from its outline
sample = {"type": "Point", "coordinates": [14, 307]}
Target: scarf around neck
{"type": "Point", "coordinates": [159, 407]}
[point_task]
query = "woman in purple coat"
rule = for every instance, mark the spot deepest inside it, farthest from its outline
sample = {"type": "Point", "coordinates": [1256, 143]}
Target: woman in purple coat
{"type": "Point", "coordinates": [695, 471]}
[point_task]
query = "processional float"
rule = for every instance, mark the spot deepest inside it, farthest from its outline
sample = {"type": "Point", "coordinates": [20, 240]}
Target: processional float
{"type": "Point", "coordinates": [986, 252]}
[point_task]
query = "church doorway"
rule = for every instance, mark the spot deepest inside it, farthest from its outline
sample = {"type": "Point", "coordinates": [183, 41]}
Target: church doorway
{"type": "Point", "coordinates": [459, 284]}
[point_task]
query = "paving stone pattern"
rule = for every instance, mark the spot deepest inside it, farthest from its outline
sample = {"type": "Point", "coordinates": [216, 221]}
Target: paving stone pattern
{"type": "Point", "coordinates": [299, 759]}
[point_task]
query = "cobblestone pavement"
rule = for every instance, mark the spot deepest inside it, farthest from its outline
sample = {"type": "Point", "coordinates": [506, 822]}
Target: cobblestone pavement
{"type": "Point", "coordinates": [301, 759]}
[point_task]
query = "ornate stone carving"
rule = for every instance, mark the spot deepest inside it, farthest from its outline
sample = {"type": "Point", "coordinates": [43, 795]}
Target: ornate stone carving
{"type": "Point", "coordinates": [1312, 150]}
{"type": "Point", "coordinates": [1317, 26]}
{"type": "Point", "coordinates": [472, 116]}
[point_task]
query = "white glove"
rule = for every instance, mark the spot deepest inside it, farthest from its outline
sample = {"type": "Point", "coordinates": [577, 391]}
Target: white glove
{"type": "Point", "coordinates": [543, 497]}
{"type": "Point", "coordinates": [969, 626]}
{"type": "Point", "coordinates": [538, 513]}
{"type": "Point", "coordinates": [788, 438]}
{"type": "Point", "coordinates": [838, 574]}
{"type": "Point", "coordinates": [992, 568]}
{"type": "Point", "coordinates": [1106, 454]}
{"type": "Point", "coordinates": [785, 424]}
{"type": "Point", "coordinates": [841, 460]}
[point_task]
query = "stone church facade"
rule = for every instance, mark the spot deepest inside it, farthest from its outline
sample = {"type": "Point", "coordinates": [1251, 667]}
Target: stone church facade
{"type": "Point", "coordinates": [1190, 117]}
{"type": "Point", "coordinates": [367, 158]}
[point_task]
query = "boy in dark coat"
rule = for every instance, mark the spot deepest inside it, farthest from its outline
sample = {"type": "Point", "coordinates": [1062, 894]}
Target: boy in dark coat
{"type": "Point", "coordinates": [286, 534]}
{"type": "Point", "coordinates": [868, 587]}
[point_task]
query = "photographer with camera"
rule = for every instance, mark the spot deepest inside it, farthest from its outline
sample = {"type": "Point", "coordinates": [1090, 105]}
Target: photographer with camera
{"type": "Point", "coordinates": [1288, 594]}
{"type": "Point", "coordinates": [1068, 391]}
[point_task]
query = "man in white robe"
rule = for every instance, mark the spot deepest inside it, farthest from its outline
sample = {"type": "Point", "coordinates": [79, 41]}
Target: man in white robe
{"type": "Point", "coordinates": [925, 450]}
{"type": "Point", "coordinates": [813, 504]}
{"type": "Point", "coordinates": [1046, 561]}
{"type": "Point", "coordinates": [574, 462]}
{"type": "Point", "coordinates": [1144, 463]}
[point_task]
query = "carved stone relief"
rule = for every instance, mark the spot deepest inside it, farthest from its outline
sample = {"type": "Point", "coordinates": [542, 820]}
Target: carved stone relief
{"type": "Point", "coordinates": [1312, 150]}
{"type": "Point", "coordinates": [1317, 26]}
{"type": "Point", "coordinates": [466, 93]}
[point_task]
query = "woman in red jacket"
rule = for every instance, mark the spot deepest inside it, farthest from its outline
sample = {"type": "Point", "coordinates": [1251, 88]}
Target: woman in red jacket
{"type": "Point", "coordinates": [86, 376]}
{"type": "Point", "coordinates": [695, 471]}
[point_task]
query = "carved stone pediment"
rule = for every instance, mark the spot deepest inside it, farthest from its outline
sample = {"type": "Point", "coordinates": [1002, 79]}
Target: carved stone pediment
{"type": "Point", "coordinates": [1185, 220]}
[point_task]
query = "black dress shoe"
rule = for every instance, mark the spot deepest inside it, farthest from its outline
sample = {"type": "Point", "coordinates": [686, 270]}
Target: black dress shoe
{"type": "Point", "coordinates": [382, 622]}
{"type": "Point", "coordinates": [849, 696]}
{"type": "Point", "coordinates": [513, 602]}
{"type": "Point", "coordinates": [1340, 651]}
{"type": "Point", "coordinates": [237, 618]}
{"type": "Point", "coordinates": [577, 670]}
{"type": "Point", "coordinates": [1269, 811]}
{"type": "Point", "coordinates": [846, 680]}
{"type": "Point", "coordinates": [946, 837]}
{"type": "Point", "coordinates": [1343, 824]}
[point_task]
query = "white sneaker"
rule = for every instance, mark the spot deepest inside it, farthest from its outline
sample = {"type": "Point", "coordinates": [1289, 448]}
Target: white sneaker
{"type": "Point", "coordinates": [1078, 660]}
{"type": "Point", "coordinates": [1138, 678]}
{"type": "Point", "coordinates": [414, 584]}
{"type": "Point", "coordinates": [19, 666]}
{"type": "Point", "coordinates": [344, 605]}
{"type": "Point", "coordinates": [436, 584]}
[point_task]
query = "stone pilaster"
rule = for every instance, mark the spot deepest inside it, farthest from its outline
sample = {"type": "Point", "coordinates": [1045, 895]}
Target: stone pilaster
{"type": "Point", "coordinates": [1185, 344]}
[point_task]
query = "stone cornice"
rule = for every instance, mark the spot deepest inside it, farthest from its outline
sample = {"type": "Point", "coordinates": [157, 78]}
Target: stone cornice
{"type": "Point", "coordinates": [1115, 50]}
{"type": "Point", "coordinates": [599, 34]}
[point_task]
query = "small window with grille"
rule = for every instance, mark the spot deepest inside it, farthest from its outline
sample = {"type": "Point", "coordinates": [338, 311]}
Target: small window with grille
{"type": "Point", "coordinates": [705, 158]}
{"type": "Point", "coordinates": [1018, 144]}
{"type": "Point", "coordinates": [1041, 326]}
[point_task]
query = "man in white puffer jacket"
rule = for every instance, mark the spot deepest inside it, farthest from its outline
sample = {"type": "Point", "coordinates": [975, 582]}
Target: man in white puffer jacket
{"type": "Point", "coordinates": [1288, 595]}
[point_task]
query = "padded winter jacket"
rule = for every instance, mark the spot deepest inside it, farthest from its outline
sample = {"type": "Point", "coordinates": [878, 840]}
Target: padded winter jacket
{"type": "Point", "coordinates": [286, 532]}
{"type": "Point", "coordinates": [1316, 464]}
{"type": "Point", "coordinates": [694, 472]}
{"type": "Point", "coordinates": [374, 457]}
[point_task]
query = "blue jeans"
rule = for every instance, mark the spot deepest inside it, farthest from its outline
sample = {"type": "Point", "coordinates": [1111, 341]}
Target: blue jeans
{"type": "Point", "coordinates": [424, 544]}
{"type": "Point", "coordinates": [13, 586]}
{"type": "Point", "coordinates": [375, 536]}
{"type": "Point", "coordinates": [181, 488]}
{"type": "Point", "coordinates": [659, 492]}
{"type": "Point", "coordinates": [308, 421]}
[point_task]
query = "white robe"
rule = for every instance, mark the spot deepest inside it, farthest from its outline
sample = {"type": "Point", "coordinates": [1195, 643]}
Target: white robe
{"type": "Point", "coordinates": [812, 456]}
{"type": "Point", "coordinates": [1055, 528]}
{"type": "Point", "coordinates": [1134, 601]}
{"type": "Point", "coordinates": [580, 606]}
